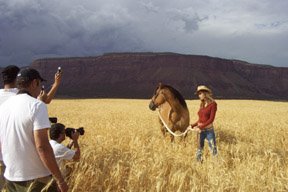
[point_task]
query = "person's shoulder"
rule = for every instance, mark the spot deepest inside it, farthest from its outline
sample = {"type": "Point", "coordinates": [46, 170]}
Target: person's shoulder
{"type": "Point", "coordinates": [55, 144]}
{"type": "Point", "coordinates": [213, 104]}
{"type": "Point", "coordinates": [5, 92]}
{"type": "Point", "coordinates": [14, 90]}
{"type": "Point", "coordinates": [52, 142]}
{"type": "Point", "coordinates": [33, 100]}
{"type": "Point", "coordinates": [5, 99]}
{"type": "Point", "coordinates": [11, 90]}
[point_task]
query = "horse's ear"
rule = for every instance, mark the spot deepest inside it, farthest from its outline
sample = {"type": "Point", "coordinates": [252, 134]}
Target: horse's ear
{"type": "Point", "coordinates": [160, 85]}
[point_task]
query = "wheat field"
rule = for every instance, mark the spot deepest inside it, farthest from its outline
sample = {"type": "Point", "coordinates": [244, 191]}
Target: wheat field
{"type": "Point", "coordinates": [123, 148]}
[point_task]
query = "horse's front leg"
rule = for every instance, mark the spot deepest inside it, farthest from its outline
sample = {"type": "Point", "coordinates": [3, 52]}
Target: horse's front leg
{"type": "Point", "coordinates": [183, 138]}
{"type": "Point", "coordinates": [172, 138]}
{"type": "Point", "coordinates": [170, 114]}
{"type": "Point", "coordinates": [163, 130]}
{"type": "Point", "coordinates": [174, 117]}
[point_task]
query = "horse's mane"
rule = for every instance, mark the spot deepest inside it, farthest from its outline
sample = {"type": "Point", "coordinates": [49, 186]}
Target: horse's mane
{"type": "Point", "coordinates": [177, 95]}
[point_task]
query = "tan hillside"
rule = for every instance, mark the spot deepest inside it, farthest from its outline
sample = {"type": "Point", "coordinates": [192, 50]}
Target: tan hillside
{"type": "Point", "coordinates": [135, 75]}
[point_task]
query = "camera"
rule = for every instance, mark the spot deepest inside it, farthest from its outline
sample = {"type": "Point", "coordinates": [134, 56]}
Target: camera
{"type": "Point", "coordinates": [53, 119]}
{"type": "Point", "coordinates": [69, 131]}
{"type": "Point", "coordinates": [59, 70]}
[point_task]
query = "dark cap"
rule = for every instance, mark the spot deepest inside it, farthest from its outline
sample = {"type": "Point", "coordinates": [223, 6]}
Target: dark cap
{"type": "Point", "coordinates": [9, 73]}
{"type": "Point", "coordinates": [29, 74]}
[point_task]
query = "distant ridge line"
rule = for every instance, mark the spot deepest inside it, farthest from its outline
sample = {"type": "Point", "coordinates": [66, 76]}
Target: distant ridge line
{"type": "Point", "coordinates": [135, 75]}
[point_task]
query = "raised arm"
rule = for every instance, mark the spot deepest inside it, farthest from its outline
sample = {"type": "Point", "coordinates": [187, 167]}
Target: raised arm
{"type": "Point", "coordinates": [75, 137]}
{"type": "Point", "coordinates": [54, 88]}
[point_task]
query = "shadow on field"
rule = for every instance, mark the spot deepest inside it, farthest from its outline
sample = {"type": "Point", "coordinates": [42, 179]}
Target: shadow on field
{"type": "Point", "coordinates": [226, 137]}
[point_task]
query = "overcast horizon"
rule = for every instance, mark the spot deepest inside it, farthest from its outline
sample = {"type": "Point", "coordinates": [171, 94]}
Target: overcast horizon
{"type": "Point", "coordinates": [252, 31]}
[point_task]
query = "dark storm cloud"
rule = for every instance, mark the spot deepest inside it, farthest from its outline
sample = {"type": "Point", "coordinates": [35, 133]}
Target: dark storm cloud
{"type": "Point", "coordinates": [30, 32]}
{"type": "Point", "coordinates": [255, 31]}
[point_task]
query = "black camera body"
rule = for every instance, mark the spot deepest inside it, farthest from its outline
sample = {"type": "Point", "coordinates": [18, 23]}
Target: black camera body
{"type": "Point", "coordinates": [69, 131]}
{"type": "Point", "coordinates": [53, 119]}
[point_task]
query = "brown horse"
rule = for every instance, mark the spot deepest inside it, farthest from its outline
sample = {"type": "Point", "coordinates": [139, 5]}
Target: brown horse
{"type": "Point", "coordinates": [173, 111]}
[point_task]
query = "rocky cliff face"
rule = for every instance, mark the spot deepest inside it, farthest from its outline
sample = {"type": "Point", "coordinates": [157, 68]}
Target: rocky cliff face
{"type": "Point", "coordinates": [136, 75]}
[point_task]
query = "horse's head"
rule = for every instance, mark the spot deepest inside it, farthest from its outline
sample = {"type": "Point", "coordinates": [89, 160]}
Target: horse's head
{"type": "Point", "coordinates": [158, 98]}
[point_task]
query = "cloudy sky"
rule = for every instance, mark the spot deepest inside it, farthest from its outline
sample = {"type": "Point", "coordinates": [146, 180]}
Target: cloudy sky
{"type": "Point", "coordinates": [251, 30]}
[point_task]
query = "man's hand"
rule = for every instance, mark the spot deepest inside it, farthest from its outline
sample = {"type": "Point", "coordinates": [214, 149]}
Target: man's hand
{"type": "Point", "coordinates": [56, 84]}
{"type": "Point", "coordinates": [57, 78]}
{"type": "Point", "coordinates": [197, 129]}
{"type": "Point", "coordinates": [75, 136]}
{"type": "Point", "coordinates": [199, 124]}
{"type": "Point", "coordinates": [63, 186]}
{"type": "Point", "coordinates": [42, 96]}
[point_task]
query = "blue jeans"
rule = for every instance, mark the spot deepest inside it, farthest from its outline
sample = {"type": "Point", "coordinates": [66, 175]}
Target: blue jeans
{"type": "Point", "coordinates": [208, 134]}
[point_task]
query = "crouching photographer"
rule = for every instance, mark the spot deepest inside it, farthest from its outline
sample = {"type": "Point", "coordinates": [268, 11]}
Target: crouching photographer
{"type": "Point", "coordinates": [62, 152]}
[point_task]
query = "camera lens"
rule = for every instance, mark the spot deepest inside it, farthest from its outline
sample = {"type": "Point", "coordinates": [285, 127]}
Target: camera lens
{"type": "Point", "coordinates": [81, 130]}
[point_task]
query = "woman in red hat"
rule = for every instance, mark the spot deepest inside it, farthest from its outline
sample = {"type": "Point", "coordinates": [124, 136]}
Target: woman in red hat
{"type": "Point", "coordinates": [204, 125]}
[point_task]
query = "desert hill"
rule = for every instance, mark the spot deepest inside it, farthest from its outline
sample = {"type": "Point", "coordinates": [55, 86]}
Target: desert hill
{"type": "Point", "coordinates": [136, 75]}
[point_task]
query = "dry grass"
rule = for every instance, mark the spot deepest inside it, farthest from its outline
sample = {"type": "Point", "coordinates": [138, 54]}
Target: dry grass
{"type": "Point", "coordinates": [124, 150]}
